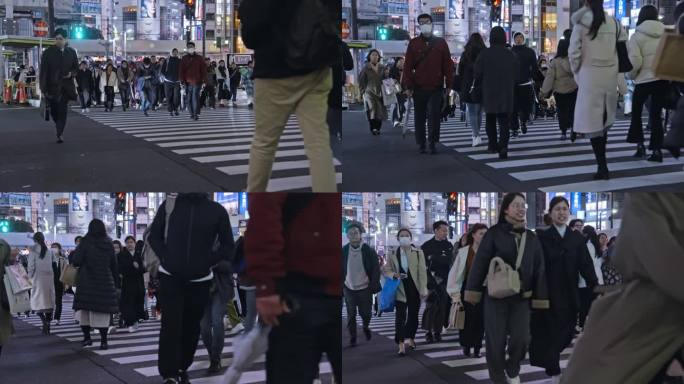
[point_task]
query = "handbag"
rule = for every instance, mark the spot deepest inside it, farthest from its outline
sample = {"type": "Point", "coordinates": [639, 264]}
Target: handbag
{"type": "Point", "coordinates": [475, 92]}
{"type": "Point", "coordinates": [18, 278]}
{"type": "Point", "coordinates": [19, 302]}
{"type": "Point", "coordinates": [624, 65]}
{"type": "Point", "coordinates": [457, 316]}
{"type": "Point", "coordinates": [502, 280]}
{"type": "Point", "coordinates": [69, 275]}
{"type": "Point", "coordinates": [388, 295]}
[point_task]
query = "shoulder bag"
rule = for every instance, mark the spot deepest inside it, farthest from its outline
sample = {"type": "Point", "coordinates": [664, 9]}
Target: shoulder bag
{"type": "Point", "coordinates": [503, 280]}
{"type": "Point", "coordinates": [624, 65]}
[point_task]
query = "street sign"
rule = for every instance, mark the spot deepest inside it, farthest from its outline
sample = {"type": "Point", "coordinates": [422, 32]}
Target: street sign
{"type": "Point", "coordinates": [40, 28]}
{"type": "Point", "coordinates": [242, 59]}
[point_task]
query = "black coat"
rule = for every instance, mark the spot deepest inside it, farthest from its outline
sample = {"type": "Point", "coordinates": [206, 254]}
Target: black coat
{"type": "Point", "coordinates": [85, 80]}
{"type": "Point", "coordinates": [370, 264]}
{"type": "Point", "coordinates": [346, 63]}
{"type": "Point", "coordinates": [132, 302]}
{"type": "Point", "coordinates": [98, 276]}
{"type": "Point", "coordinates": [234, 77]}
{"type": "Point", "coordinates": [171, 69]}
{"type": "Point", "coordinates": [500, 241]}
{"type": "Point", "coordinates": [55, 65]}
{"type": "Point", "coordinates": [496, 72]}
{"type": "Point", "coordinates": [527, 64]}
{"type": "Point", "coordinates": [466, 74]}
{"type": "Point", "coordinates": [439, 256]}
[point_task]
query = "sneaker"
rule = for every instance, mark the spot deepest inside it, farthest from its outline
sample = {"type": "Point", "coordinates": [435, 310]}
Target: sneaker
{"type": "Point", "coordinates": [317, 381]}
{"type": "Point", "coordinates": [82, 110]}
{"type": "Point", "coordinates": [512, 380]}
{"type": "Point", "coordinates": [226, 324]}
{"type": "Point", "coordinates": [133, 328]}
{"type": "Point", "coordinates": [563, 137]}
{"type": "Point", "coordinates": [477, 140]}
{"type": "Point", "coordinates": [396, 124]}
{"type": "Point", "coordinates": [237, 329]}
{"type": "Point", "coordinates": [112, 330]}
{"type": "Point", "coordinates": [60, 140]}
{"type": "Point", "coordinates": [170, 381]}
{"type": "Point", "coordinates": [367, 332]}
{"type": "Point", "coordinates": [428, 338]}
{"type": "Point", "coordinates": [555, 379]}
{"type": "Point", "coordinates": [87, 110]}
{"type": "Point", "coordinates": [176, 113]}
{"type": "Point", "coordinates": [215, 367]}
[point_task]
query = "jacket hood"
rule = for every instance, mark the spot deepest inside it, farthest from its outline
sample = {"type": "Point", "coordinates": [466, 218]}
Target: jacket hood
{"type": "Point", "coordinates": [583, 16]}
{"type": "Point", "coordinates": [651, 28]}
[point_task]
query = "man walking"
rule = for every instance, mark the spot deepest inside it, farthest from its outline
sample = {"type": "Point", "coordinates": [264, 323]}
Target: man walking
{"type": "Point", "coordinates": [193, 72]}
{"type": "Point", "coordinates": [170, 71]}
{"type": "Point", "coordinates": [438, 257]}
{"type": "Point", "coordinates": [84, 80]}
{"type": "Point", "coordinates": [427, 68]}
{"type": "Point", "coordinates": [361, 274]}
{"type": "Point", "coordinates": [294, 263]}
{"type": "Point", "coordinates": [285, 83]}
{"type": "Point", "coordinates": [59, 65]}
{"type": "Point", "coordinates": [524, 89]}
{"type": "Point", "coordinates": [195, 237]}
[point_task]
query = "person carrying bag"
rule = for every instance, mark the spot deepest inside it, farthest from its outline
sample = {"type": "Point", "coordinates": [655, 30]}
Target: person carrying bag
{"type": "Point", "coordinates": [502, 280]}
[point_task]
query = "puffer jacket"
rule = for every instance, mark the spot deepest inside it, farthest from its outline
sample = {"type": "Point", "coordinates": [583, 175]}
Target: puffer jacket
{"type": "Point", "coordinates": [98, 275]}
{"type": "Point", "coordinates": [559, 77]}
{"type": "Point", "coordinates": [642, 50]}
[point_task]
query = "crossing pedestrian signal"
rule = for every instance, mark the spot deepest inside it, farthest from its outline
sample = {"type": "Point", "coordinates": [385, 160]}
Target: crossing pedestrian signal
{"type": "Point", "coordinates": [495, 14]}
{"type": "Point", "coordinates": [4, 226]}
{"type": "Point", "coordinates": [383, 33]}
{"type": "Point", "coordinates": [79, 32]}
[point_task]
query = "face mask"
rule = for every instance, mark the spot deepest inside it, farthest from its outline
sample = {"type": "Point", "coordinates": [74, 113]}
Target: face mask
{"type": "Point", "coordinates": [404, 241]}
{"type": "Point", "coordinates": [426, 29]}
{"type": "Point", "coordinates": [191, 51]}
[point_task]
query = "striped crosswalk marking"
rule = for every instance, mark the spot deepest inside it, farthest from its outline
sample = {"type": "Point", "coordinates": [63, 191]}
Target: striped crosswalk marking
{"type": "Point", "coordinates": [221, 139]}
{"type": "Point", "coordinates": [544, 162]}
{"type": "Point", "coordinates": [138, 350]}
{"type": "Point", "coordinates": [450, 353]}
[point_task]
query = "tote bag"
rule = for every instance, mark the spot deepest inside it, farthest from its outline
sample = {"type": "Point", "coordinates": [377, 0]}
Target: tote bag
{"type": "Point", "coordinates": [69, 274]}
{"type": "Point", "coordinates": [388, 295]}
{"type": "Point", "coordinates": [504, 281]}
{"type": "Point", "coordinates": [457, 316]}
{"type": "Point", "coordinates": [19, 302]}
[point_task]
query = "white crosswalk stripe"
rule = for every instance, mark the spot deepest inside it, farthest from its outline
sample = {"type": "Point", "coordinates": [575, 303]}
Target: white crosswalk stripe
{"type": "Point", "coordinates": [544, 162]}
{"type": "Point", "coordinates": [202, 142]}
{"type": "Point", "coordinates": [450, 353]}
{"type": "Point", "coordinates": [138, 350]}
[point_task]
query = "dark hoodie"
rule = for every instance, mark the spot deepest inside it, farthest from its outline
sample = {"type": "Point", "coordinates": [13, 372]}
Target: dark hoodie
{"type": "Point", "coordinates": [98, 275]}
{"type": "Point", "coordinates": [528, 69]}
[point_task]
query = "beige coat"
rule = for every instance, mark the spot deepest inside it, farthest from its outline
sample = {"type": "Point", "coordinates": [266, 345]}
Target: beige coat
{"type": "Point", "coordinates": [416, 261]}
{"type": "Point", "coordinates": [559, 77]}
{"type": "Point", "coordinates": [370, 84]}
{"type": "Point", "coordinates": [639, 327]}
{"type": "Point", "coordinates": [6, 328]}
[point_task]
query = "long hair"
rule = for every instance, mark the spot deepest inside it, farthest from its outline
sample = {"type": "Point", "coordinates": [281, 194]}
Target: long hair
{"type": "Point", "coordinates": [563, 46]}
{"type": "Point", "coordinates": [471, 232]}
{"type": "Point", "coordinates": [497, 36]}
{"type": "Point", "coordinates": [474, 45]}
{"type": "Point", "coordinates": [647, 12]}
{"type": "Point", "coordinates": [96, 229]}
{"type": "Point", "coordinates": [507, 200]}
{"type": "Point", "coordinates": [596, 7]}
{"type": "Point", "coordinates": [39, 238]}
{"type": "Point", "coordinates": [590, 233]}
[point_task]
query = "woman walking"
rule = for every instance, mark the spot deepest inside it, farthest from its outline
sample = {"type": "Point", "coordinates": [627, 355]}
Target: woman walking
{"type": "Point", "coordinates": [496, 72]}
{"type": "Point", "coordinates": [370, 84]}
{"type": "Point", "coordinates": [586, 294]}
{"type": "Point", "coordinates": [407, 264]}
{"type": "Point", "coordinates": [560, 80]}
{"type": "Point", "coordinates": [642, 50]}
{"type": "Point", "coordinates": [96, 298]}
{"type": "Point", "coordinates": [466, 74]}
{"type": "Point", "coordinates": [565, 257]}
{"type": "Point", "coordinates": [131, 270]}
{"type": "Point", "coordinates": [125, 76]}
{"type": "Point", "coordinates": [40, 261]}
{"type": "Point", "coordinates": [594, 62]}
{"type": "Point", "coordinates": [507, 318]}
{"type": "Point", "coordinates": [472, 334]}
{"type": "Point", "coordinates": [109, 83]}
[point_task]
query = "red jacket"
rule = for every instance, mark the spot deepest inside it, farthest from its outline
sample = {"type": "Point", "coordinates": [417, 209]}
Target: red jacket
{"type": "Point", "coordinates": [192, 70]}
{"type": "Point", "coordinates": [431, 71]}
{"type": "Point", "coordinates": [309, 246]}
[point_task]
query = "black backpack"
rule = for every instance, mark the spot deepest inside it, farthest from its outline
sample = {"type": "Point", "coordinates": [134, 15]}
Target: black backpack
{"type": "Point", "coordinates": [313, 39]}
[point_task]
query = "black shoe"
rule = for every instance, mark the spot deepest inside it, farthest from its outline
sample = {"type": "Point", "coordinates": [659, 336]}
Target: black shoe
{"type": "Point", "coordinates": [438, 338]}
{"type": "Point", "coordinates": [196, 117]}
{"type": "Point", "coordinates": [564, 137]}
{"type": "Point", "coordinates": [657, 156]}
{"type": "Point", "coordinates": [433, 150]}
{"type": "Point", "coordinates": [60, 140]}
{"type": "Point", "coordinates": [492, 150]}
{"type": "Point", "coordinates": [514, 134]}
{"type": "Point", "coordinates": [176, 113]}
{"type": "Point", "coordinates": [422, 149]}
{"type": "Point", "coordinates": [477, 353]}
{"type": "Point", "coordinates": [171, 114]}
{"type": "Point", "coordinates": [183, 377]}
{"type": "Point", "coordinates": [86, 342]}
{"type": "Point", "coordinates": [503, 154]}
{"type": "Point", "coordinates": [573, 137]}
{"type": "Point", "coordinates": [145, 112]}
{"type": "Point", "coordinates": [524, 128]}
{"type": "Point", "coordinates": [641, 151]}
{"type": "Point", "coordinates": [428, 338]}
{"type": "Point", "coordinates": [602, 174]}
{"type": "Point", "coordinates": [367, 332]}
{"type": "Point", "coordinates": [250, 106]}
{"type": "Point", "coordinates": [352, 341]}
{"type": "Point", "coordinates": [170, 380]}
{"type": "Point", "coordinates": [466, 352]}
{"type": "Point", "coordinates": [103, 345]}
{"type": "Point", "coordinates": [215, 367]}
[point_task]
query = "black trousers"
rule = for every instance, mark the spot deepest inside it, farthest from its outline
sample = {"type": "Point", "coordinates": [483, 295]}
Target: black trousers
{"type": "Point", "coordinates": [109, 97]}
{"type": "Point", "coordinates": [398, 112]}
{"type": "Point", "coordinates": [172, 91]}
{"type": "Point", "coordinates": [507, 331]}
{"type": "Point", "coordinates": [562, 325]}
{"type": "Point", "coordinates": [59, 293]}
{"type": "Point", "coordinates": [183, 305]}
{"type": "Point", "coordinates": [586, 298]}
{"type": "Point", "coordinates": [523, 103]}
{"type": "Point", "coordinates": [427, 108]}
{"type": "Point", "coordinates": [565, 106]}
{"type": "Point", "coordinates": [361, 299]}
{"type": "Point", "coordinates": [406, 318]}
{"type": "Point", "coordinates": [296, 346]}
{"type": "Point", "coordinates": [656, 90]}
{"type": "Point", "coordinates": [473, 332]}
{"type": "Point", "coordinates": [490, 125]}
{"type": "Point", "coordinates": [125, 93]}
{"type": "Point", "coordinates": [58, 112]}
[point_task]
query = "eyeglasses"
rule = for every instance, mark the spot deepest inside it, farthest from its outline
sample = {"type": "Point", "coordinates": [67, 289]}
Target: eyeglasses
{"type": "Point", "coordinates": [518, 206]}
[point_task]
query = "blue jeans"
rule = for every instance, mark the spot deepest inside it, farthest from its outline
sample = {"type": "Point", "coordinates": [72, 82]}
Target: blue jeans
{"type": "Point", "coordinates": [212, 326]}
{"type": "Point", "coordinates": [250, 317]}
{"type": "Point", "coordinates": [474, 117]}
{"type": "Point", "coordinates": [193, 99]}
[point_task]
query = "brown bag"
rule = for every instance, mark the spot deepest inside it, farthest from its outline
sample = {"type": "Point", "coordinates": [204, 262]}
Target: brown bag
{"type": "Point", "coordinates": [669, 58]}
{"type": "Point", "coordinates": [69, 274]}
{"type": "Point", "coordinates": [457, 316]}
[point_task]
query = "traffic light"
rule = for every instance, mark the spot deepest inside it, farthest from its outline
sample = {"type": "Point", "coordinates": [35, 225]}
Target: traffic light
{"type": "Point", "coordinates": [4, 226]}
{"type": "Point", "coordinates": [383, 33]}
{"type": "Point", "coordinates": [119, 229]}
{"type": "Point", "coordinates": [452, 205]}
{"type": "Point", "coordinates": [189, 9]}
{"type": "Point", "coordinates": [120, 203]}
{"type": "Point", "coordinates": [79, 32]}
{"type": "Point", "coordinates": [495, 14]}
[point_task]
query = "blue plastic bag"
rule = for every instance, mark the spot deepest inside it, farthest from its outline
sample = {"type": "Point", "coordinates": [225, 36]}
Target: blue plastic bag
{"type": "Point", "coordinates": [388, 294]}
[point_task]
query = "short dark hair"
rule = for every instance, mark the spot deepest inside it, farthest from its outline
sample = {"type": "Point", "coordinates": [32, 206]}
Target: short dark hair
{"type": "Point", "coordinates": [190, 44]}
{"type": "Point", "coordinates": [497, 36]}
{"type": "Point", "coordinates": [557, 200]}
{"type": "Point", "coordinates": [404, 230]}
{"type": "Point", "coordinates": [77, 239]}
{"type": "Point", "coordinates": [175, 49]}
{"type": "Point", "coordinates": [439, 223]}
{"type": "Point", "coordinates": [424, 16]}
{"type": "Point", "coordinates": [147, 60]}
{"type": "Point", "coordinates": [61, 32]}
{"type": "Point", "coordinates": [129, 237]}
{"type": "Point", "coordinates": [117, 242]}
{"type": "Point", "coordinates": [575, 221]}
{"type": "Point", "coordinates": [355, 224]}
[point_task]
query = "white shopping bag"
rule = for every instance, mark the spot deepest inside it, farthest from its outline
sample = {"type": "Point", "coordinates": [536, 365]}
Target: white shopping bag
{"type": "Point", "coordinates": [19, 302]}
{"type": "Point", "coordinates": [409, 110]}
{"type": "Point", "coordinates": [247, 348]}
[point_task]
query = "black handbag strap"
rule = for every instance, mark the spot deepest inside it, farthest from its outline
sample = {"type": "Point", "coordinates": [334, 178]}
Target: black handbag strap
{"type": "Point", "coordinates": [430, 44]}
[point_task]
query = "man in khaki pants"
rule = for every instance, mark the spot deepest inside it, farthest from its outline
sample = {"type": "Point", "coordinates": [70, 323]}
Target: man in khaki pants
{"type": "Point", "coordinates": [281, 89]}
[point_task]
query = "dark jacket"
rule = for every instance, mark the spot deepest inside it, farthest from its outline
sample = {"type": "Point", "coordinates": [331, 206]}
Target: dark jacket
{"type": "Point", "coordinates": [370, 265]}
{"type": "Point", "coordinates": [439, 256]}
{"type": "Point", "coordinates": [431, 72]}
{"type": "Point", "coordinates": [171, 69]}
{"type": "Point", "coordinates": [85, 80]}
{"type": "Point", "coordinates": [496, 72]}
{"type": "Point", "coordinates": [193, 71]}
{"type": "Point", "coordinates": [466, 74]}
{"type": "Point", "coordinates": [98, 275]}
{"type": "Point", "coordinates": [199, 236]}
{"type": "Point", "coordinates": [346, 63]}
{"type": "Point", "coordinates": [55, 64]}
{"type": "Point", "coordinates": [528, 69]}
{"type": "Point", "coordinates": [500, 241]}
{"type": "Point", "coordinates": [147, 72]}
{"type": "Point", "coordinates": [132, 285]}
{"type": "Point", "coordinates": [301, 256]}
{"type": "Point", "coordinates": [234, 77]}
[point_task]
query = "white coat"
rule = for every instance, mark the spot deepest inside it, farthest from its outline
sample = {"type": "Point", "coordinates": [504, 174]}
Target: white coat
{"type": "Point", "coordinates": [594, 64]}
{"type": "Point", "coordinates": [113, 82]}
{"type": "Point", "coordinates": [457, 273]}
{"type": "Point", "coordinates": [597, 266]}
{"type": "Point", "coordinates": [42, 278]}
{"type": "Point", "coordinates": [642, 50]}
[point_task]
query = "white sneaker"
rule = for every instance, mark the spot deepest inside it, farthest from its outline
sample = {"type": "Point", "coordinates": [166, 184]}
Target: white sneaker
{"type": "Point", "coordinates": [555, 379]}
{"type": "Point", "coordinates": [133, 328]}
{"type": "Point", "coordinates": [514, 380]}
{"type": "Point", "coordinates": [87, 110]}
{"type": "Point", "coordinates": [237, 329]}
{"type": "Point", "coordinates": [82, 110]}
{"type": "Point", "coordinates": [111, 330]}
{"type": "Point", "coordinates": [477, 140]}
{"type": "Point", "coordinates": [317, 381]}
{"type": "Point", "coordinates": [226, 324]}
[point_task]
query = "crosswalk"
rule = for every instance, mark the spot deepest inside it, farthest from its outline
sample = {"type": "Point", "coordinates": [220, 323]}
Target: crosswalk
{"type": "Point", "coordinates": [543, 162]}
{"type": "Point", "coordinates": [449, 353]}
{"type": "Point", "coordinates": [220, 139]}
{"type": "Point", "coordinates": [138, 350]}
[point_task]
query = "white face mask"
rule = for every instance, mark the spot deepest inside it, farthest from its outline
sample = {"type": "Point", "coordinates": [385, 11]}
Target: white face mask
{"type": "Point", "coordinates": [426, 29]}
{"type": "Point", "coordinates": [404, 241]}
{"type": "Point", "coordinates": [191, 51]}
